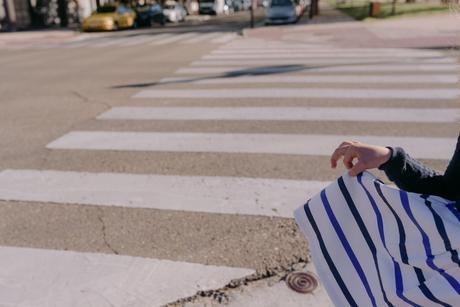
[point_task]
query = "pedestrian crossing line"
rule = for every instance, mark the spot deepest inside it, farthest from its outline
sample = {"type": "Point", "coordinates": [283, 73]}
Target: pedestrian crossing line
{"type": "Point", "coordinates": [41, 277]}
{"type": "Point", "coordinates": [243, 46]}
{"type": "Point", "coordinates": [285, 114]}
{"type": "Point", "coordinates": [327, 69]}
{"type": "Point", "coordinates": [172, 38]}
{"type": "Point", "coordinates": [347, 79]}
{"type": "Point", "coordinates": [160, 37]}
{"type": "Point", "coordinates": [200, 37]}
{"type": "Point", "coordinates": [289, 144]}
{"type": "Point", "coordinates": [305, 55]}
{"type": "Point", "coordinates": [77, 44]}
{"type": "Point", "coordinates": [321, 61]}
{"type": "Point", "coordinates": [139, 40]}
{"type": "Point", "coordinates": [280, 93]}
{"type": "Point", "coordinates": [224, 38]}
{"type": "Point", "coordinates": [223, 195]}
{"type": "Point", "coordinates": [326, 52]}
{"type": "Point", "coordinates": [111, 42]}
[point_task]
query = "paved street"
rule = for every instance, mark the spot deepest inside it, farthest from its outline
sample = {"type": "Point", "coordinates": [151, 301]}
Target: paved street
{"type": "Point", "coordinates": [164, 168]}
{"type": "Point", "coordinates": [196, 29]}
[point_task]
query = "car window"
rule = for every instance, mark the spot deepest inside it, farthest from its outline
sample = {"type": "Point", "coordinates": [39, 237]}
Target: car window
{"type": "Point", "coordinates": [122, 9]}
{"type": "Point", "coordinates": [281, 3]}
{"type": "Point", "coordinates": [107, 9]}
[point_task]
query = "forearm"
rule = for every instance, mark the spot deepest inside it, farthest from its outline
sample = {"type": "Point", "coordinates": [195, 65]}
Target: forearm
{"type": "Point", "coordinates": [412, 176]}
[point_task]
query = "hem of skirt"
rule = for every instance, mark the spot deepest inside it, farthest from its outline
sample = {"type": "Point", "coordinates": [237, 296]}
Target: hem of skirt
{"type": "Point", "coordinates": [301, 220]}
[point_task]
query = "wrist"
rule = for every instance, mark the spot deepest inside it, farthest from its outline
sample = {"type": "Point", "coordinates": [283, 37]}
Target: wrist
{"type": "Point", "coordinates": [388, 154]}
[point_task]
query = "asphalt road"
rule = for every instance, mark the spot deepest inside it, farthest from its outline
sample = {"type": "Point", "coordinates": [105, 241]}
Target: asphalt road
{"type": "Point", "coordinates": [48, 93]}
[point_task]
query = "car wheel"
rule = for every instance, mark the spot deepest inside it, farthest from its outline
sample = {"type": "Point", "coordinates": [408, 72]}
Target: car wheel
{"type": "Point", "coordinates": [115, 26]}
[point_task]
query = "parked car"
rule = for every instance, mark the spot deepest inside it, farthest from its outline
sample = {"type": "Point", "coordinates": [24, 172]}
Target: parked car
{"type": "Point", "coordinates": [174, 12]}
{"type": "Point", "coordinates": [110, 17]}
{"type": "Point", "coordinates": [149, 14]}
{"type": "Point", "coordinates": [238, 5]}
{"type": "Point", "coordinates": [212, 7]}
{"type": "Point", "coordinates": [228, 7]}
{"type": "Point", "coordinates": [281, 12]}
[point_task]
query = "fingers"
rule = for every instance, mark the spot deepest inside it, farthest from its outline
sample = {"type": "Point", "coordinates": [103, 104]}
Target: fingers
{"type": "Point", "coordinates": [349, 156]}
{"type": "Point", "coordinates": [358, 168]}
{"type": "Point", "coordinates": [340, 152]}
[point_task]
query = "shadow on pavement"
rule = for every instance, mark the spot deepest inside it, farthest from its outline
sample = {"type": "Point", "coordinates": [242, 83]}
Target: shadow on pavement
{"type": "Point", "coordinates": [254, 71]}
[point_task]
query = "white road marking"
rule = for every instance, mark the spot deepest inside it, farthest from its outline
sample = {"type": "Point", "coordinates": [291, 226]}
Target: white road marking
{"type": "Point", "coordinates": [224, 38]}
{"type": "Point", "coordinates": [77, 44]}
{"type": "Point", "coordinates": [41, 278]}
{"type": "Point", "coordinates": [243, 46]}
{"type": "Point", "coordinates": [226, 195]}
{"type": "Point", "coordinates": [173, 38]}
{"type": "Point", "coordinates": [305, 69]}
{"type": "Point", "coordinates": [284, 93]}
{"type": "Point", "coordinates": [159, 38]}
{"type": "Point", "coordinates": [138, 40]}
{"type": "Point", "coordinates": [285, 114]}
{"type": "Point", "coordinates": [305, 55]}
{"type": "Point", "coordinates": [294, 144]}
{"type": "Point", "coordinates": [374, 79]}
{"type": "Point", "coordinates": [321, 61]}
{"type": "Point", "coordinates": [111, 41]}
{"type": "Point", "coordinates": [200, 37]}
{"type": "Point", "coordinates": [326, 52]}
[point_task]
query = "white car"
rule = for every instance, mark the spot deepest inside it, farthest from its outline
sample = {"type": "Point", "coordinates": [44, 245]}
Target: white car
{"type": "Point", "coordinates": [281, 11]}
{"type": "Point", "coordinates": [174, 12]}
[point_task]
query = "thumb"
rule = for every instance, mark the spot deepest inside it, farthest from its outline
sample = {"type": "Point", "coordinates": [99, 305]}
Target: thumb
{"type": "Point", "coordinates": [358, 168]}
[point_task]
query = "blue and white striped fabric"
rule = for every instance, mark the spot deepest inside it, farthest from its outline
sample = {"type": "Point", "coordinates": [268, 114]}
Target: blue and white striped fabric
{"type": "Point", "coordinates": [375, 245]}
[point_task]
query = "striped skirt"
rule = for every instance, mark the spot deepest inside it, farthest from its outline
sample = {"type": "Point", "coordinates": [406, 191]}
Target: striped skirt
{"type": "Point", "coordinates": [375, 245]}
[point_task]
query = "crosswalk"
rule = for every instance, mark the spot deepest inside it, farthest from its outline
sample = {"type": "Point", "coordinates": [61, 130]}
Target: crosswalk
{"type": "Point", "coordinates": [239, 82]}
{"type": "Point", "coordinates": [149, 40]}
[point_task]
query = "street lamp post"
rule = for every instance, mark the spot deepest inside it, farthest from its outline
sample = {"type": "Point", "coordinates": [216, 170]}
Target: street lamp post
{"type": "Point", "coordinates": [252, 13]}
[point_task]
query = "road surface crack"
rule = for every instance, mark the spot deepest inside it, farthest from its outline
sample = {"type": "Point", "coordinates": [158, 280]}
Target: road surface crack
{"type": "Point", "coordinates": [104, 234]}
{"type": "Point", "coordinates": [86, 99]}
{"type": "Point", "coordinates": [221, 295]}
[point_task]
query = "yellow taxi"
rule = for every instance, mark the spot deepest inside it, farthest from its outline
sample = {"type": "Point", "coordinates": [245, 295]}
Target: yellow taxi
{"type": "Point", "coordinates": [110, 17]}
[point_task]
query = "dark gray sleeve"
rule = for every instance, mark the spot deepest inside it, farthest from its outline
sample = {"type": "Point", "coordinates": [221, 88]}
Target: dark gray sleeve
{"type": "Point", "coordinates": [412, 176]}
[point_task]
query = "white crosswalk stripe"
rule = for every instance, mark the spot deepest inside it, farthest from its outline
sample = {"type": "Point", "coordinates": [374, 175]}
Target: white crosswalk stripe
{"type": "Point", "coordinates": [111, 42]}
{"type": "Point", "coordinates": [316, 55]}
{"type": "Point", "coordinates": [172, 39]}
{"type": "Point", "coordinates": [138, 40]}
{"type": "Point", "coordinates": [201, 38]}
{"type": "Point", "coordinates": [321, 61]}
{"type": "Point", "coordinates": [285, 114]}
{"type": "Point", "coordinates": [224, 38]}
{"type": "Point", "coordinates": [331, 93]}
{"type": "Point", "coordinates": [228, 195]}
{"type": "Point", "coordinates": [291, 144]}
{"type": "Point", "coordinates": [405, 68]}
{"type": "Point", "coordinates": [326, 52]}
{"type": "Point", "coordinates": [372, 79]}
{"type": "Point", "coordinates": [134, 40]}
{"type": "Point", "coordinates": [41, 278]}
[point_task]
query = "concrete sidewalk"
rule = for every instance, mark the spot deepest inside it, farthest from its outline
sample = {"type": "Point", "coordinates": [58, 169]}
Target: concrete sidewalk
{"type": "Point", "coordinates": [328, 15]}
{"type": "Point", "coordinates": [333, 28]}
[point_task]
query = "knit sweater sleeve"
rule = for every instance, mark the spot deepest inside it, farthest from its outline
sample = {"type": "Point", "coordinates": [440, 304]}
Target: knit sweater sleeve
{"type": "Point", "coordinates": [411, 175]}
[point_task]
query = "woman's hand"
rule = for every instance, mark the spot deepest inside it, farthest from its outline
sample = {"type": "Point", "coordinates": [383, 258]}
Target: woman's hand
{"type": "Point", "coordinates": [367, 156]}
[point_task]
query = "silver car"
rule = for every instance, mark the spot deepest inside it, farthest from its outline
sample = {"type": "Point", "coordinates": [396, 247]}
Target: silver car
{"type": "Point", "coordinates": [174, 12]}
{"type": "Point", "coordinates": [281, 12]}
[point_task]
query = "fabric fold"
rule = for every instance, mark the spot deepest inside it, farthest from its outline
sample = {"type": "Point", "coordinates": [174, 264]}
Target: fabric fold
{"type": "Point", "coordinates": [376, 245]}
